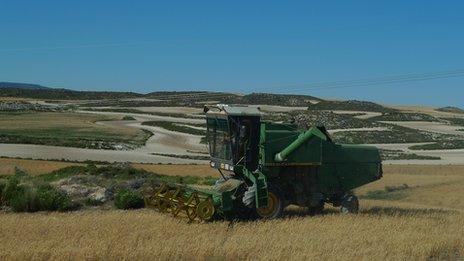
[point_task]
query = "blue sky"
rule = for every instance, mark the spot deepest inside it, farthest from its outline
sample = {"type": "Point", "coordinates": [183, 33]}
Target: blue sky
{"type": "Point", "coordinates": [237, 46]}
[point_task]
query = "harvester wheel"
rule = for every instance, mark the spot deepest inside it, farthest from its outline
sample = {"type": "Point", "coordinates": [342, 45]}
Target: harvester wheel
{"type": "Point", "coordinates": [205, 210]}
{"type": "Point", "coordinates": [350, 204]}
{"type": "Point", "coordinates": [316, 210]}
{"type": "Point", "coordinates": [275, 204]}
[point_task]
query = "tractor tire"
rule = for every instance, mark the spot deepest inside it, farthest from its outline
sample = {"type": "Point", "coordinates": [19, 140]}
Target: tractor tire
{"type": "Point", "coordinates": [349, 204]}
{"type": "Point", "coordinates": [316, 210]}
{"type": "Point", "coordinates": [276, 204]}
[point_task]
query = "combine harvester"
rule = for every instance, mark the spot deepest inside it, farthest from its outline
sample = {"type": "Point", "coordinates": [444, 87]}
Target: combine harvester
{"type": "Point", "coordinates": [267, 166]}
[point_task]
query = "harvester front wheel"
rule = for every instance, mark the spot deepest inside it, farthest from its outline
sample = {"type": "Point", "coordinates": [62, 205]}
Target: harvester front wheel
{"type": "Point", "coordinates": [275, 204]}
{"type": "Point", "coordinates": [316, 210]}
{"type": "Point", "coordinates": [350, 204]}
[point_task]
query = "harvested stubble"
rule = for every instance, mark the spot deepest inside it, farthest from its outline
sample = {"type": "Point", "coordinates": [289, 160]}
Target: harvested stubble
{"type": "Point", "coordinates": [33, 167]}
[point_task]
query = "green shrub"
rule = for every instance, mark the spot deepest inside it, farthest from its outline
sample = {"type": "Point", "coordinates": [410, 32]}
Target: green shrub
{"type": "Point", "coordinates": [11, 189]}
{"type": "Point", "coordinates": [128, 199]}
{"type": "Point", "coordinates": [20, 173]}
{"type": "Point", "coordinates": [2, 188]}
{"type": "Point", "coordinates": [21, 198]}
{"type": "Point", "coordinates": [29, 198]}
{"type": "Point", "coordinates": [128, 118]}
{"type": "Point", "coordinates": [93, 202]}
{"type": "Point", "coordinates": [51, 199]}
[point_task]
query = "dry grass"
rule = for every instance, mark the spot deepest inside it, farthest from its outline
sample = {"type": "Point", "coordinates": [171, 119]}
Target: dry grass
{"type": "Point", "coordinates": [428, 223]}
{"type": "Point", "coordinates": [377, 233]}
{"type": "Point", "coordinates": [33, 167]}
{"type": "Point", "coordinates": [424, 169]}
{"type": "Point", "coordinates": [179, 169]}
{"type": "Point", "coordinates": [37, 167]}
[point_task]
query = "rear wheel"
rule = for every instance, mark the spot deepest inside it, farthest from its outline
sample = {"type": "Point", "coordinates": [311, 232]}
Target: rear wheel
{"type": "Point", "coordinates": [349, 204]}
{"type": "Point", "coordinates": [275, 204]}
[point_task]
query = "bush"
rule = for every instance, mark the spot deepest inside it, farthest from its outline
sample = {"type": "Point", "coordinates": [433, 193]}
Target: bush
{"type": "Point", "coordinates": [93, 202]}
{"type": "Point", "coordinates": [20, 173]}
{"type": "Point", "coordinates": [128, 199]}
{"type": "Point", "coordinates": [10, 189]}
{"type": "Point", "coordinates": [51, 199]}
{"type": "Point", "coordinates": [128, 118]}
{"type": "Point", "coordinates": [21, 198]}
{"type": "Point", "coordinates": [2, 188]}
{"type": "Point", "coordinates": [29, 198]}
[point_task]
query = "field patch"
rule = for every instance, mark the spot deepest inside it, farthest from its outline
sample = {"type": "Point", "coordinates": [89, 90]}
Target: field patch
{"type": "Point", "coordinates": [33, 167]}
{"type": "Point", "coordinates": [67, 129]}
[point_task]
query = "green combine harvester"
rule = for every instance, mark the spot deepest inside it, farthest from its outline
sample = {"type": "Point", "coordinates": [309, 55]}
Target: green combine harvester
{"type": "Point", "coordinates": [267, 166]}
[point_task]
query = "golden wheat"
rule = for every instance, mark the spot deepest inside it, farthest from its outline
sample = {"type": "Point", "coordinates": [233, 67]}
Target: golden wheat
{"type": "Point", "coordinates": [376, 233]}
{"type": "Point", "coordinates": [428, 223]}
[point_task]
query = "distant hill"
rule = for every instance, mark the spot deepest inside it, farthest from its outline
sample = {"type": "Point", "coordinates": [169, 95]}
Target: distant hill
{"type": "Point", "coordinates": [64, 94]}
{"type": "Point", "coordinates": [451, 109]}
{"type": "Point", "coordinates": [191, 98]}
{"type": "Point", "coordinates": [183, 98]}
{"type": "Point", "coordinates": [351, 105]}
{"type": "Point", "coordinates": [16, 85]}
{"type": "Point", "coordinates": [274, 99]}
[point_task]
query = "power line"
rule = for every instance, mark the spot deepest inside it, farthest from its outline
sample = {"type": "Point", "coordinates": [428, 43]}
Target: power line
{"type": "Point", "coordinates": [402, 78]}
{"type": "Point", "coordinates": [377, 81]}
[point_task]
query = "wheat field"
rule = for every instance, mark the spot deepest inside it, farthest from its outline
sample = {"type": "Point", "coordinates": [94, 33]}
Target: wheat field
{"type": "Point", "coordinates": [33, 167]}
{"type": "Point", "coordinates": [377, 233]}
{"type": "Point", "coordinates": [427, 224]}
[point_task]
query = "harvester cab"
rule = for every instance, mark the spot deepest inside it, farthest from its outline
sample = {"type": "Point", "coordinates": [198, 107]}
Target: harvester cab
{"type": "Point", "coordinates": [267, 166]}
{"type": "Point", "coordinates": [233, 137]}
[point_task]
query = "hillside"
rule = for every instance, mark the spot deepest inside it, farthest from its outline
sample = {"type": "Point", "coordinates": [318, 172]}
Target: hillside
{"type": "Point", "coordinates": [16, 85]}
{"type": "Point", "coordinates": [273, 99]}
{"type": "Point", "coordinates": [184, 98]}
{"type": "Point", "coordinates": [191, 98]}
{"type": "Point", "coordinates": [451, 109]}
{"type": "Point", "coordinates": [351, 105]}
{"type": "Point", "coordinates": [63, 94]}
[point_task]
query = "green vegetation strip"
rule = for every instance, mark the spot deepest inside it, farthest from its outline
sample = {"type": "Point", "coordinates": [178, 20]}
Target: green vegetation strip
{"type": "Point", "coordinates": [398, 116]}
{"type": "Point", "coordinates": [73, 137]}
{"type": "Point", "coordinates": [179, 127]}
{"type": "Point", "coordinates": [193, 157]}
{"type": "Point", "coordinates": [137, 111]}
{"type": "Point", "coordinates": [455, 121]}
{"type": "Point", "coordinates": [396, 134]}
{"type": "Point", "coordinates": [440, 145]}
{"type": "Point", "coordinates": [400, 155]}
